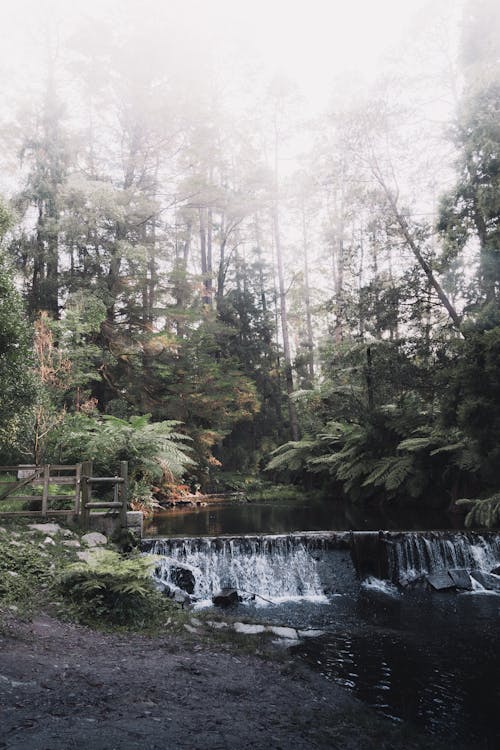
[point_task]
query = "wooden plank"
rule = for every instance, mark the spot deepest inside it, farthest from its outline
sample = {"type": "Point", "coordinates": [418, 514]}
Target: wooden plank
{"type": "Point", "coordinates": [16, 468]}
{"type": "Point", "coordinates": [103, 480]}
{"type": "Point", "coordinates": [86, 493]}
{"type": "Point", "coordinates": [61, 467]}
{"type": "Point", "coordinates": [45, 493]}
{"type": "Point", "coordinates": [24, 482]}
{"type": "Point", "coordinates": [78, 478]}
{"type": "Point", "coordinates": [103, 504]}
{"type": "Point", "coordinates": [36, 513]}
{"type": "Point", "coordinates": [124, 493]}
{"type": "Point", "coordinates": [23, 497]}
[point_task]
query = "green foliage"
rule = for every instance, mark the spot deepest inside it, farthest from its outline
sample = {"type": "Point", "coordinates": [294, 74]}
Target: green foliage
{"type": "Point", "coordinates": [482, 512]}
{"type": "Point", "coordinates": [24, 570]}
{"type": "Point", "coordinates": [153, 449]}
{"type": "Point", "coordinates": [113, 590]}
{"type": "Point", "coordinates": [17, 386]}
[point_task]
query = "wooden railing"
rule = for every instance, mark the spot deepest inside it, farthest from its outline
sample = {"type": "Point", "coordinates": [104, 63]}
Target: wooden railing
{"type": "Point", "coordinates": [78, 478]}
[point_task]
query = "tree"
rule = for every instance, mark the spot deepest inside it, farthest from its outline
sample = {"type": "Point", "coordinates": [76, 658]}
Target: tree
{"type": "Point", "coordinates": [17, 385]}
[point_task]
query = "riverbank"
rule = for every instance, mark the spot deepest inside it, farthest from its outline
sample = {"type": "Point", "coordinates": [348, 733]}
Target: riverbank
{"type": "Point", "coordinates": [66, 686]}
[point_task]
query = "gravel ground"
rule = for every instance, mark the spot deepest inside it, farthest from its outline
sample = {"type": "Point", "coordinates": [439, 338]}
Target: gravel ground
{"type": "Point", "coordinates": [63, 686]}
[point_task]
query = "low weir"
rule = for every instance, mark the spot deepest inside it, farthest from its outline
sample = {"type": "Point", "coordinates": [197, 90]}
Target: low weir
{"type": "Point", "coordinates": [317, 564]}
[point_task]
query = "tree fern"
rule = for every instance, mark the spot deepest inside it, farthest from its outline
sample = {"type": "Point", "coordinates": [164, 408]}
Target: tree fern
{"type": "Point", "coordinates": [484, 513]}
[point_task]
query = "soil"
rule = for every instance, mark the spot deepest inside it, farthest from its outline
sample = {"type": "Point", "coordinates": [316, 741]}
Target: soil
{"type": "Point", "coordinates": [63, 686]}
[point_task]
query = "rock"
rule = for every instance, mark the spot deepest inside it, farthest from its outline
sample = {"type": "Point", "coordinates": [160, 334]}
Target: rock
{"type": "Point", "coordinates": [247, 629]}
{"type": "Point", "coordinates": [461, 579]}
{"type": "Point", "coordinates": [216, 624]}
{"type": "Point", "coordinates": [3, 530]}
{"type": "Point", "coordinates": [441, 581]}
{"type": "Point", "coordinates": [226, 598]}
{"type": "Point", "coordinates": [72, 543]}
{"type": "Point", "coordinates": [182, 598]}
{"type": "Point", "coordinates": [45, 528]}
{"type": "Point", "coordinates": [487, 580]}
{"type": "Point", "coordinates": [495, 571]}
{"type": "Point", "coordinates": [190, 629]}
{"type": "Point", "coordinates": [289, 633]}
{"type": "Point", "coordinates": [94, 539]}
{"type": "Point", "coordinates": [48, 540]}
{"type": "Point", "coordinates": [84, 556]}
{"type": "Point", "coordinates": [183, 577]}
{"type": "Point", "coordinates": [310, 633]}
{"type": "Point", "coordinates": [195, 622]}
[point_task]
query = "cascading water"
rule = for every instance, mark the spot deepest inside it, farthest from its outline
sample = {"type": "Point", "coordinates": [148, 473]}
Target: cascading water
{"type": "Point", "coordinates": [271, 568]}
{"type": "Point", "coordinates": [412, 555]}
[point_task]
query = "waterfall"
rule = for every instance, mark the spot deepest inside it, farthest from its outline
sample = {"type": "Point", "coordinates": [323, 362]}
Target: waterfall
{"type": "Point", "coordinates": [413, 554]}
{"type": "Point", "coordinates": [311, 566]}
{"type": "Point", "coordinates": [277, 568]}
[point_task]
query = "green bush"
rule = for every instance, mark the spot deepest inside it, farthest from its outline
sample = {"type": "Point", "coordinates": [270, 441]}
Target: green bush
{"type": "Point", "coordinates": [110, 589]}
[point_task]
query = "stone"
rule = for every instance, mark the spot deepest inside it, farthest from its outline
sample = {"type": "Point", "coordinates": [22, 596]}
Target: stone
{"type": "Point", "coordinates": [196, 622]}
{"type": "Point", "coordinates": [190, 629]}
{"type": "Point", "coordinates": [310, 633]}
{"type": "Point", "coordinates": [48, 541]}
{"type": "Point", "coordinates": [248, 629]}
{"type": "Point", "coordinates": [441, 581]}
{"type": "Point", "coordinates": [461, 579]}
{"type": "Point", "coordinates": [226, 598]}
{"type": "Point", "coordinates": [487, 580]}
{"type": "Point", "coordinates": [289, 633]}
{"type": "Point", "coordinates": [216, 624]}
{"type": "Point", "coordinates": [94, 539]}
{"type": "Point", "coordinates": [182, 598]}
{"type": "Point", "coordinates": [183, 577]}
{"type": "Point", "coordinates": [45, 528]}
{"type": "Point", "coordinates": [84, 556]}
{"type": "Point", "coordinates": [72, 543]}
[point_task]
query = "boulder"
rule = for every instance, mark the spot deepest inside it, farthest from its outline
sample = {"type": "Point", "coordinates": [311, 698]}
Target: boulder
{"type": "Point", "coordinates": [226, 598]}
{"type": "Point", "coordinates": [461, 579]}
{"type": "Point", "coordinates": [94, 539]}
{"type": "Point", "coordinates": [247, 629]}
{"type": "Point", "coordinates": [183, 578]}
{"type": "Point", "coordinates": [288, 633]}
{"type": "Point", "coordinates": [45, 528]}
{"type": "Point", "coordinates": [487, 580]}
{"type": "Point", "coordinates": [441, 581]}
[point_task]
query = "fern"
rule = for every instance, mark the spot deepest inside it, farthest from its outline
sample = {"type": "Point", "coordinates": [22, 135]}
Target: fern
{"type": "Point", "coordinates": [111, 589]}
{"type": "Point", "coordinates": [485, 512]}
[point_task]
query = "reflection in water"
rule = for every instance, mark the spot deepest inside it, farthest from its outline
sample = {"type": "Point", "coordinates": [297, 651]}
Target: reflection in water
{"type": "Point", "coordinates": [279, 517]}
{"type": "Point", "coordinates": [432, 660]}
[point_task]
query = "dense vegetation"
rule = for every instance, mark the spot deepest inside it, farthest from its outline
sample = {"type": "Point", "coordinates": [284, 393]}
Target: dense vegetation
{"type": "Point", "coordinates": [195, 311]}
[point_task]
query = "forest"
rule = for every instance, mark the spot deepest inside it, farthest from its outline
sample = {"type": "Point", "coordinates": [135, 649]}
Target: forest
{"type": "Point", "coordinates": [204, 276]}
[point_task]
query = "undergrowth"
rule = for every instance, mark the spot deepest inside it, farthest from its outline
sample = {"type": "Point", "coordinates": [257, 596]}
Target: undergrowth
{"type": "Point", "coordinates": [112, 590]}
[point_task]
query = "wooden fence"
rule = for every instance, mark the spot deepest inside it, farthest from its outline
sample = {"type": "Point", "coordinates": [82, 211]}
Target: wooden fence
{"type": "Point", "coordinates": [79, 480]}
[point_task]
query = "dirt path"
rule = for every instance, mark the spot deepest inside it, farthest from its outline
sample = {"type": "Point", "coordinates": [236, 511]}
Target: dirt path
{"type": "Point", "coordinates": [63, 687]}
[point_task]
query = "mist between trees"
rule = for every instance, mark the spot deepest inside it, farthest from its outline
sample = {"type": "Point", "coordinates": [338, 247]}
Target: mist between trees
{"type": "Point", "coordinates": [204, 276]}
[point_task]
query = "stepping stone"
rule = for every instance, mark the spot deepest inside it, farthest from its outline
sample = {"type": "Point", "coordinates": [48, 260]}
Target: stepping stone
{"type": "Point", "coordinates": [461, 579]}
{"type": "Point", "coordinates": [289, 633]}
{"type": "Point", "coordinates": [441, 581]}
{"type": "Point", "coordinates": [248, 629]}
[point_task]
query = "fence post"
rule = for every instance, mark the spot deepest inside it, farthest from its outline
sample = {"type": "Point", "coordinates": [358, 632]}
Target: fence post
{"type": "Point", "coordinates": [78, 480]}
{"type": "Point", "coordinates": [45, 492]}
{"type": "Point", "coordinates": [124, 493]}
{"type": "Point", "coordinates": [86, 493]}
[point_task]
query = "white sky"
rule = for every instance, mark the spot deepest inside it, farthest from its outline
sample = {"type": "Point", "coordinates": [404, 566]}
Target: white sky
{"type": "Point", "coordinates": [312, 41]}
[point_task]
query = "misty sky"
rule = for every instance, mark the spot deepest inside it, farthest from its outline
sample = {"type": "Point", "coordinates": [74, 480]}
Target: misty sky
{"type": "Point", "coordinates": [312, 41]}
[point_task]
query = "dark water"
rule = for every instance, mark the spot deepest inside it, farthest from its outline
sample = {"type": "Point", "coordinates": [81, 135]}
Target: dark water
{"type": "Point", "coordinates": [433, 660]}
{"type": "Point", "coordinates": [281, 517]}
{"type": "Point", "coordinates": [429, 658]}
